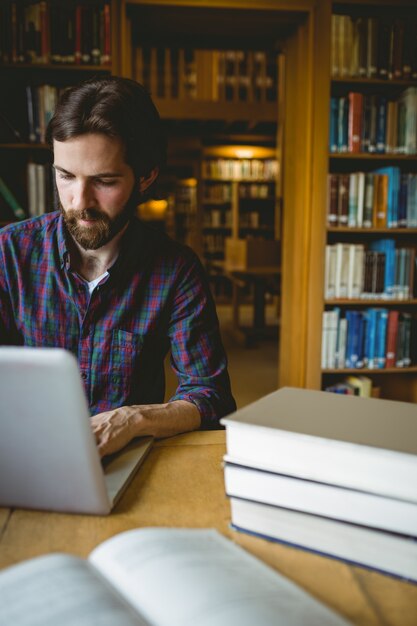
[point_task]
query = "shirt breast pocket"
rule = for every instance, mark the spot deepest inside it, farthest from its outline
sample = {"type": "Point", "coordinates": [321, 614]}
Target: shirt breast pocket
{"type": "Point", "coordinates": [126, 348]}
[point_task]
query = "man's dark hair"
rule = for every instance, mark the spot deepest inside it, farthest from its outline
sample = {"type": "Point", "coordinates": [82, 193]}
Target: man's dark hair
{"type": "Point", "coordinates": [116, 107]}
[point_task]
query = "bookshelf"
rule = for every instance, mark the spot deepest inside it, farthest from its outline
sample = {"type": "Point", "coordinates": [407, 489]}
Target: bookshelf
{"type": "Point", "coordinates": [241, 180]}
{"type": "Point", "coordinates": [198, 65]}
{"type": "Point", "coordinates": [185, 213]}
{"type": "Point", "coordinates": [239, 186]}
{"type": "Point", "coordinates": [372, 200]}
{"type": "Point", "coordinates": [45, 47]}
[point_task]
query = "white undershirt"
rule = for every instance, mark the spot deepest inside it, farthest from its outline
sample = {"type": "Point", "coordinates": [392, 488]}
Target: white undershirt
{"type": "Point", "coordinates": [92, 284]}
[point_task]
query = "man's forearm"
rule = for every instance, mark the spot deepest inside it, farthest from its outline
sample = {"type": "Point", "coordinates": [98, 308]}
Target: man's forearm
{"type": "Point", "coordinates": [114, 429]}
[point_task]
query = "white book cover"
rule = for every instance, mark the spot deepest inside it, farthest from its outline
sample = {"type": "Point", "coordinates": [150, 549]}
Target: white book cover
{"type": "Point", "coordinates": [349, 505]}
{"type": "Point", "coordinates": [341, 344]}
{"type": "Point", "coordinates": [361, 443]}
{"type": "Point", "coordinates": [342, 270]}
{"type": "Point", "coordinates": [333, 323]}
{"type": "Point", "coordinates": [351, 271]}
{"type": "Point", "coordinates": [358, 270]}
{"type": "Point", "coordinates": [358, 545]}
{"type": "Point", "coordinates": [325, 339]}
{"type": "Point", "coordinates": [330, 273]}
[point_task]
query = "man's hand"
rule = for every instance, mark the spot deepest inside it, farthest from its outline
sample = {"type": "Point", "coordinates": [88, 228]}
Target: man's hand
{"type": "Point", "coordinates": [115, 429]}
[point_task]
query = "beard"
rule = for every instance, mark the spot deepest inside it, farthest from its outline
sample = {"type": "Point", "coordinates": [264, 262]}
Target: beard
{"type": "Point", "coordinates": [103, 229]}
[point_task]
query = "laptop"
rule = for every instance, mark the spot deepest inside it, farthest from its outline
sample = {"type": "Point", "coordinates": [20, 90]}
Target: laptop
{"type": "Point", "coordinates": [48, 455]}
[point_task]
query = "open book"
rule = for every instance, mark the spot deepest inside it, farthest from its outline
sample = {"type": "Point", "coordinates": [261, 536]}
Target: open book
{"type": "Point", "coordinates": [159, 577]}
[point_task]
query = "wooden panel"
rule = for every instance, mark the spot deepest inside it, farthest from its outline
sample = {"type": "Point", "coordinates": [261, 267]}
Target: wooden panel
{"type": "Point", "coordinates": [304, 192]}
{"type": "Point", "coordinates": [318, 198]}
{"type": "Point", "coordinates": [209, 110]}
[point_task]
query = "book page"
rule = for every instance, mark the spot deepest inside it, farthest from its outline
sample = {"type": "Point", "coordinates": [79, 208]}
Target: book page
{"type": "Point", "coordinates": [180, 577]}
{"type": "Point", "coordinates": [60, 590]}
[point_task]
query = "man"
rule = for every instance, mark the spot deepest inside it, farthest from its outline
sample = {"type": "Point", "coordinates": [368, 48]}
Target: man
{"type": "Point", "coordinates": [93, 279]}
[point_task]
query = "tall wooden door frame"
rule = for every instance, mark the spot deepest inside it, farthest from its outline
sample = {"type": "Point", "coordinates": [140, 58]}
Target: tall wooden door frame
{"type": "Point", "coordinates": [304, 167]}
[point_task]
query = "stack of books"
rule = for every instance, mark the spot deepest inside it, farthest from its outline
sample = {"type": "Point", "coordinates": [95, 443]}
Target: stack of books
{"type": "Point", "coordinates": [328, 473]}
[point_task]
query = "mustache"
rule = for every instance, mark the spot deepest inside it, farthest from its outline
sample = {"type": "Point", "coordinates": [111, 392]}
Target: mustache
{"type": "Point", "coordinates": [86, 214]}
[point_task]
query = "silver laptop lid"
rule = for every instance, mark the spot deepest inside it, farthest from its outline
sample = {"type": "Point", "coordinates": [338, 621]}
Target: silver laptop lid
{"type": "Point", "coordinates": [48, 456]}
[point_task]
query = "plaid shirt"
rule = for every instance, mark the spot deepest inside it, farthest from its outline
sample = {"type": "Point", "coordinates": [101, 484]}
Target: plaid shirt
{"type": "Point", "coordinates": [155, 297]}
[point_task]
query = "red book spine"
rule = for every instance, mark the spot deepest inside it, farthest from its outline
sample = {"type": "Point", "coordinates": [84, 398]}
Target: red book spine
{"type": "Point", "coordinates": [355, 121]}
{"type": "Point", "coordinates": [333, 200]}
{"type": "Point", "coordinates": [392, 332]}
{"type": "Point", "coordinates": [44, 23]}
{"type": "Point", "coordinates": [106, 57]}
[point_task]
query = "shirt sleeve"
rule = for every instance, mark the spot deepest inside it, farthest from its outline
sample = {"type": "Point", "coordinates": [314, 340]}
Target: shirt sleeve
{"type": "Point", "coordinates": [8, 332]}
{"type": "Point", "coordinates": [197, 354]}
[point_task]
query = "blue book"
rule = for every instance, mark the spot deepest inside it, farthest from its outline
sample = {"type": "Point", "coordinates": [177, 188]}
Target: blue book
{"type": "Point", "coordinates": [394, 176]}
{"type": "Point", "coordinates": [403, 200]}
{"type": "Point", "coordinates": [360, 340]}
{"type": "Point", "coordinates": [354, 350]}
{"type": "Point", "coordinates": [334, 112]}
{"type": "Point", "coordinates": [381, 125]}
{"type": "Point", "coordinates": [370, 341]}
{"type": "Point", "coordinates": [366, 126]}
{"type": "Point", "coordinates": [387, 246]}
{"type": "Point", "coordinates": [342, 125]}
{"type": "Point", "coordinates": [381, 338]}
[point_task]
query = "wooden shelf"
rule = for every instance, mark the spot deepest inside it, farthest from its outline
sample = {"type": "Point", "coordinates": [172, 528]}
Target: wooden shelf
{"type": "Point", "coordinates": [370, 302]}
{"type": "Point", "coordinates": [56, 66]}
{"type": "Point", "coordinates": [363, 80]}
{"type": "Point", "coordinates": [217, 179]}
{"type": "Point", "coordinates": [366, 156]}
{"type": "Point", "coordinates": [257, 228]}
{"type": "Point", "coordinates": [371, 231]}
{"type": "Point", "coordinates": [387, 370]}
{"type": "Point", "coordinates": [217, 203]}
{"type": "Point", "coordinates": [224, 228]}
{"type": "Point", "coordinates": [216, 110]}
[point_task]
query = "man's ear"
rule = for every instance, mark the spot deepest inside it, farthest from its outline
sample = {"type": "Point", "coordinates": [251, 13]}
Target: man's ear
{"type": "Point", "coordinates": [146, 181]}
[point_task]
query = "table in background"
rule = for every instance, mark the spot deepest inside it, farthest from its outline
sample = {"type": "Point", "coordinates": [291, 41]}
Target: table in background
{"type": "Point", "coordinates": [181, 484]}
{"type": "Point", "coordinates": [262, 279]}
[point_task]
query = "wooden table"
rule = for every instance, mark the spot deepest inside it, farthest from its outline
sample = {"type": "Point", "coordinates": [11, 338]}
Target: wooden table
{"type": "Point", "coordinates": [181, 484]}
{"type": "Point", "coordinates": [260, 278]}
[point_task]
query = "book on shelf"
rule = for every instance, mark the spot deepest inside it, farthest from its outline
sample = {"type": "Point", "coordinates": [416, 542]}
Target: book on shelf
{"type": "Point", "coordinates": [357, 386]}
{"type": "Point", "coordinates": [381, 272]}
{"type": "Point", "coordinates": [346, 441]}
{"type": "Point", "coordinates": [157, 576]}
{"type": "Point", "coordinates": [374, 124]}
{"type": "Point", "coordinates": [384, 198]}
{"type": "Point", "coordinates": [211, 75]}
{"type": "Point", "coordinates": [12, 205]}
{"type": "Point", "coordinates": [49, 32]}
{"type": "Point", "coordinates": [385, 552]}
{"type": "Point", "coordinates": [374, 338]}
{"type": "Point", "coordinates": [8, 132]}
{"type": "Point", "coordinates": [238, 169]}
{"type": "Point", "coordinates": [39, 189]}
{"type": "Point", "coordinates": [41, 102]}
{"type": "Point", "coordinates": [373, 47]}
